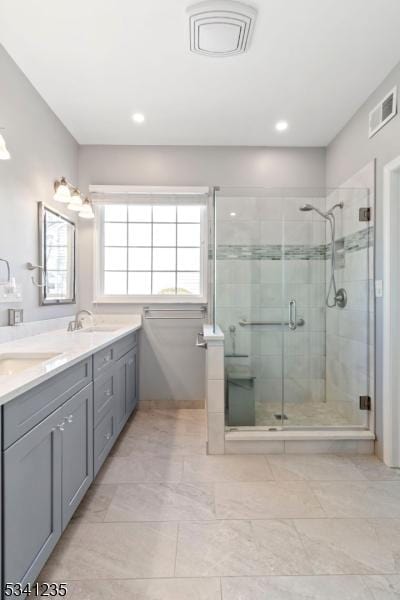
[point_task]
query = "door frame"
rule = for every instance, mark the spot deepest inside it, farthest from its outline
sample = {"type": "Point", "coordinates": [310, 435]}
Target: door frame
{"type": "Point", "coordinates": [391, 296]}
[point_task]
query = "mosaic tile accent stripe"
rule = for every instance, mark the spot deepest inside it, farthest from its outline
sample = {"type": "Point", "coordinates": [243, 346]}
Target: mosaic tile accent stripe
{"type": "Point", "coordinates": [351, 243]}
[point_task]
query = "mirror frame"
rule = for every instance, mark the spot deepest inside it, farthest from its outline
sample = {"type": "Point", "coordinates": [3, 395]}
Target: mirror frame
{"type": "Point", "coordinates": [43, 300]}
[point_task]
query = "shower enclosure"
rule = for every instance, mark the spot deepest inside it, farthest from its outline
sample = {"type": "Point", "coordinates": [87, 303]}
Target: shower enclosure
{"type": "Point", "coordinates": [293, 273]}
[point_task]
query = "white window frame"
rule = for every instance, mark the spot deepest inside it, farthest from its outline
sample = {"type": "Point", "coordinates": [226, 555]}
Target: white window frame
{"type": "Point", "coordinates": [102, 298]}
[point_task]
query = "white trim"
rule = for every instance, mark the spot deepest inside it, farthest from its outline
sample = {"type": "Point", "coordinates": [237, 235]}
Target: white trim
{"type": "Point", "coordinates": [391, 295]}
{"type": "Point", "coordinates": [152, 194]}
{"type": "Point", "coordinates": [150, 190]}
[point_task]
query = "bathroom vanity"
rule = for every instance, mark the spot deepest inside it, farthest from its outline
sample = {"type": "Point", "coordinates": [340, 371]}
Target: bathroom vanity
{"type": "Point", "coordinates": [56, 435]}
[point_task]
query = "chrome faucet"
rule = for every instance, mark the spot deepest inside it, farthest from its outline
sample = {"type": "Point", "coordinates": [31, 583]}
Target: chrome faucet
{"type": "Point", "coordinates": [77, 322]}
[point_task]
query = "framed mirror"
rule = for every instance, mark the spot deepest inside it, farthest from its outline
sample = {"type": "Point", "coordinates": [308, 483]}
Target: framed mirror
{"type": "Point", "coordinates": [57, 249]}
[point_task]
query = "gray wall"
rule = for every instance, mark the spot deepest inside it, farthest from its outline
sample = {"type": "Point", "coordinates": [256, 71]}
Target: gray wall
{"type": "Point", "coordinates": [347, 153]}
{"type": "Point", "coordinates": [171, 369]}
{"type": "Point", "coordinates": [42, 150]}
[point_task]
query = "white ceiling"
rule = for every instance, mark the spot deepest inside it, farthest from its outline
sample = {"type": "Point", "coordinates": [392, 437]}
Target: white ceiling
{"type": "Point", "coordinates": [312, 62]}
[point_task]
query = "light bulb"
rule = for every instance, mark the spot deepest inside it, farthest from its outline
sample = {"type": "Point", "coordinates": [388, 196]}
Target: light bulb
{"type": "Point", "coordinates": [281, 125]}
{"type": "Point", "coordinates": [4, 153]}
{"type": "Point", "coordinates": [138, 118]}
{"type": "Point", "coordinates": [86, 211]}
{"type": "Point", "coordinates": [62, 191]}
{"type": "Point", "coordinates": [76, 201]}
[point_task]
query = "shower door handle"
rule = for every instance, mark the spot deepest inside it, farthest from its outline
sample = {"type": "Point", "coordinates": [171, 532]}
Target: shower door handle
{"type": "Point", "coordinates": [292, 315]}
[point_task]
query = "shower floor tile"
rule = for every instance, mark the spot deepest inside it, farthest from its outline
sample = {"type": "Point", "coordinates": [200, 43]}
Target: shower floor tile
{"type": "Point", "coordinates": [303, 414]}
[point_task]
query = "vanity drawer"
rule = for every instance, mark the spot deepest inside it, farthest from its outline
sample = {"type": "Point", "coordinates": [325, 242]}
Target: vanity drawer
{"type": "Point", "coordinates": [104, 436]}
{"type": "Point", "coordinates": [109, 355]}
{"type": "Point", "coordinates": [24, 412]}
{"type": "Point", "coordinates": [102, 360]}
{"type": "Point", "coordinates": [123, 346]}
{"type": "Point", "coordinates": [106, 390]}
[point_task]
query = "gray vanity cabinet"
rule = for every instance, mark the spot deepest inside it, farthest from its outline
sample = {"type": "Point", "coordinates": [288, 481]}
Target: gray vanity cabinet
{"type": "Point", "coordinates": [55, 438]}
{"type": "Point", "coordinates": [120, 400]}
{"type": "Point", "coordinates": [77, 451]}
{"type": "Point", "coordinates": [46, 474]}
{"type": "Point", "coordinates": [126, 374]}
{"type": "Point", "coordinates": [131, 381]}
{"type": "Point", "coordinates": [32, 500]}
{"type": "Point", "coordinates": [115, 394]}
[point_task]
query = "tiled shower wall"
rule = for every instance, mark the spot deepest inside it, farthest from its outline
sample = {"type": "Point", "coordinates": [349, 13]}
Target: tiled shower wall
{"type": "Point", "coordinates": [350, 331]}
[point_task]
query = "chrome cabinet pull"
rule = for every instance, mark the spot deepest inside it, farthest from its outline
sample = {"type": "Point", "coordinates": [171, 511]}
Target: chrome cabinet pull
{"type": "Point", "coordinates": [61, 426]}
{"type": "Point", "coordinates": [292, 315]}
{"type": "Point", "coordinates": [70, 418]}
{"type": "Point", "coordinates": [107, 436]}
{"type": "Point", "coordinates": [108, 393]}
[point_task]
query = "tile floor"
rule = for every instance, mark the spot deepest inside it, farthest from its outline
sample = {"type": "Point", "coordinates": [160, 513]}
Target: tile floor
{"type": "Point", "coordinates": [163, 521]}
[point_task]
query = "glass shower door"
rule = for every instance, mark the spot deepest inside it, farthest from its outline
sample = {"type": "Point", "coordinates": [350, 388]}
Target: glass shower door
{"type": "Point", "coordinates": [249, 302]}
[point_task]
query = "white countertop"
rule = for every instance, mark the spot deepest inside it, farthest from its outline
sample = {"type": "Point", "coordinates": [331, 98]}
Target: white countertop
{"type": "Point", "coordinates": [70, 347]}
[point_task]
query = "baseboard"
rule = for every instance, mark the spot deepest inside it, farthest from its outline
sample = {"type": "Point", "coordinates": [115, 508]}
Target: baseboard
{"type": "Point", "coordinates": [170, 404]}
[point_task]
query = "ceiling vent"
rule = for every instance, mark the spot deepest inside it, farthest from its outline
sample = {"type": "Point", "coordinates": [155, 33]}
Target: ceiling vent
{"type": "Point", "coordinates": [383, 112]}
{"type": "Point", "coordinates": [220, 27]}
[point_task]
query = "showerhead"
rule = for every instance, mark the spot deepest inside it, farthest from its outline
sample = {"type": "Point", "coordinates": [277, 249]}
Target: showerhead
{"type": "Point", "coordinates": [309, 207]}
{"type": "Point", "coordinates": [306, 207]}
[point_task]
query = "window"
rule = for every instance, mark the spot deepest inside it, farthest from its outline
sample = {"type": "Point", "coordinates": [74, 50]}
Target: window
{"type": "Point", "coordinates": [151, 252]}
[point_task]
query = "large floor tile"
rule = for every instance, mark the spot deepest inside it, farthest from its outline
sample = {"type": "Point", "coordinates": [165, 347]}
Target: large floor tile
{"type": "Point", "coordinates": [146, 589]}
{"type": "Point", "coordinates": [374, 469]}
{"type": "Point", "coordinates": [168, 421]}
{"type": "Point", "coordinates": [265, 500]}
{"type": "Point", "coordinates": [140, 469]}
{"type": "Point", "coordinates": [226, 468]}
{"type": "Point", "coordinates": [344, 587]}
{"type": "Point", "coordinates": [162, 444]}
{"type": "Point", "coordinates": [383, 587]}
{"type": "Point", "coordinates": [318, 467]}
{"type": "Point", "coordinates": [162, 502]}
{"type": "Point", "coordinates": [351, 546]}
{"type": "Point", "coordinates": [234, 548]}
{"type": "Point", "coordinates": [95, 504]}
{"type": "Point", "coordinates": [113, 551]}
{"type": "Point", "coordinates": [359, 499]}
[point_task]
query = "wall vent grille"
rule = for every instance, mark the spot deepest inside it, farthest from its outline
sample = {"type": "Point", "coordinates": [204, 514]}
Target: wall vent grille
{"type": "Point", "coordinates": [383, 112]}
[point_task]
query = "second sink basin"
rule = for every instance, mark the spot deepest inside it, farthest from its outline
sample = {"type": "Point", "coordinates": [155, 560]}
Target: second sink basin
{"type": "Point", "coordinates": [10, 364]}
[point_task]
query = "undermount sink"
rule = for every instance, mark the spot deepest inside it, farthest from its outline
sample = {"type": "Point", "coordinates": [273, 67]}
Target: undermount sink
{"type": "Point", "coordinates": [99, 328]}
{"type": "Point", "coordinates": [10, 364]}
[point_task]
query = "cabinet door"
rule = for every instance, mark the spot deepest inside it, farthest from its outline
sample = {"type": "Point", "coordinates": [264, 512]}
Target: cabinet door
{"type": "Point", "coordinates": [77, 450]}
{"type": "Point", "coordinates": [105, 393]}
{"type": "Point", "coordinates": [131, 380]}
{"type": "Point", "coordinates": [32, 500]}
{"type": "Point", "coordinates": [120, 398]}
{"type": "Point", "coordinates": [104, 438]}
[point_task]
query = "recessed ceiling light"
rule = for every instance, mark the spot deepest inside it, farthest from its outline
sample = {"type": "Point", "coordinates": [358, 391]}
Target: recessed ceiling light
{"type": "Point", "coordinates": [281, 125]}
{"type": "Point", "coordinates": [233, 214]}
{"type": "Point", "coordinates": [138, 117]}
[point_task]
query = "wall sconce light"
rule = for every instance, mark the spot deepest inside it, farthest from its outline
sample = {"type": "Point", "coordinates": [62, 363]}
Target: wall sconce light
{"type": "Point", "coordinates": [76, 201]}
{"type": "Point", "coordinates": [87, 210]}
{"type": "Point", "coordinates": [69, 194]}
{"type": "Point", "coordinates": [62, 193]}
{"type": "Point", "coordinates": [4, 153]}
